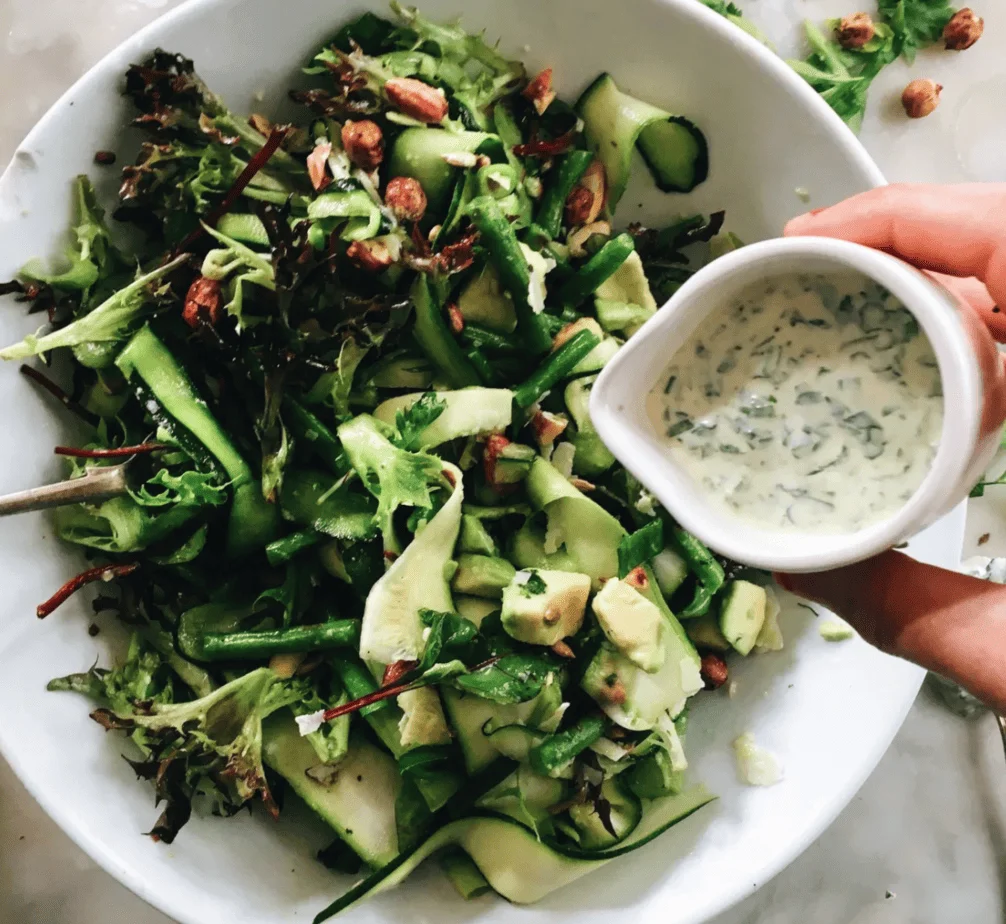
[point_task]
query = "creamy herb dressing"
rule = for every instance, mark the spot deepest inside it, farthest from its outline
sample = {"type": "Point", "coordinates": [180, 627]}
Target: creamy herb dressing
{"type": "Point", "coordinates": [809, 403]}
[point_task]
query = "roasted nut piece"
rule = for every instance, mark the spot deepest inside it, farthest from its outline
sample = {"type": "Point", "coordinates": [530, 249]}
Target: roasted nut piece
{"type": "Point", "coordinates": [372, 256]}
{"type": "Point", "coordinates": [416, 99]}
{"type": "Point", "coordinates": [456, 318]}
{"type": "Point", "coordinates": [539, 91]}
{"type": "Point", "coordinates": [547, 427]}
{"type": "Point", "coordinates": [713, 670]}
{"type": "Point", "coordinates": [578, 206]}
{"type": "Point", "coordinates": [563, 650]}
{"type": "Point", "coordinates": [920, 98]}
{"type": "Point", "coordinates": [202, 303]}
{"type": "Point", "coordinates": [364, 143]}
{"type": "Point", "coordinates": [317, 165]}
{"type": "Point", "coordinates": [637, 578]}
{"type": "Point", "coordinates": [963, 30]}
{"type": "Point", "coordinates": [405, 197]}
{"type": "Point", "coordinates": [855, 31]}
{"type": "Point", "coordinates": [586, 199]}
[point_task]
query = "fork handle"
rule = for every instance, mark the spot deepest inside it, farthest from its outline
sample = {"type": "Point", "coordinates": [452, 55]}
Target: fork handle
{"type": "Point", "coordinates": [97, 485]}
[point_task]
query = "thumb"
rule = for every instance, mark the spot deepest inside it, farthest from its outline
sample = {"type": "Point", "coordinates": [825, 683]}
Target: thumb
{"type": "Point", "coordinates": [865, 594]}
{"type": "Point", "coordinates": [943, 621]}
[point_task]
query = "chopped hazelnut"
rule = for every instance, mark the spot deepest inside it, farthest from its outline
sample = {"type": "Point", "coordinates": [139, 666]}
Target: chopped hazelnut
{"type": "Point", "coordinates": [586, 199]}
{"type": "Point", "coordinates": [405, 197]}
{"type": "Point", "coordinates": [539, 91]}
{"type": "Point", "coordinates": [417, 99]}
{"type": "Point", "coordinates": [963, 30]}
{"type": "Point", "coordinates": [456, 318]}
{"type": "Point", "coordinates": [921, 97]}
{"type": "Point", "coordinates": [855, 31]}
{"type": "Point", "coordinates": [372, 256]}
{"type": "Point", "coordinates": [563, 650]}
{"type": "Point", "coordinates": [637, 578]}
{"type": "Point", "coordinates": [202, 303]}
{"type": "Point", "coordinates": [364, 143]}
{"type": "Point", "coordinates": [547, 427]}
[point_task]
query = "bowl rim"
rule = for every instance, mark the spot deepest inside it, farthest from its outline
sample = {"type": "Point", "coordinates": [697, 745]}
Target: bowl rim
{"type": "Point", "coordinates": [776, 70]}
{"type": "Point", "coordinates": [631, 375]}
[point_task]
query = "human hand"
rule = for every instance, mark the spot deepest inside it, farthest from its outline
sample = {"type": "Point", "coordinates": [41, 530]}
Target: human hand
{"type": "Point", "coordinates": [947, 622]}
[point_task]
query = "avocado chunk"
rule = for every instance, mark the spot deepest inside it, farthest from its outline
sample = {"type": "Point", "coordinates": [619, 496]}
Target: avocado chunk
{"type": "Point", "coordinates": [482, 576]}
{"type": "Point", "coordinates": [704, 631]}
{"type": "Point", "coordinates": [635, 699]}
{"type": "Point", "coordinates": [632, 624]}
{"type": "Point", "coordinates": [742, 614]}
{"type": "Point", "coordinates": [544, 607]}
{"type": "Point", "coordinates": [423, 719]}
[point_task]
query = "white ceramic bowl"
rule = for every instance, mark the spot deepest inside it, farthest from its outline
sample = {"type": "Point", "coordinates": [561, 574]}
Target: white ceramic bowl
{"type": "Point", "coordinates": [829, 711]}
{"type": "Point", "coordinates": [618, 407]}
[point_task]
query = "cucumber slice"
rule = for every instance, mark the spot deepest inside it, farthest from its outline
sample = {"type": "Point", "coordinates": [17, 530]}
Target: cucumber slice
{"type": "Point", "coordinates": [742, 614]}
{"type": "Point", "coordinates": [419, 153]}
{"type": "Point", "coordinates": [592, 457]}
{"type": "Point", "coordinates": [674, 149]}
{"type": "Point", "coordinates": [359, 802]}
{"type": "Point", "coordinates": [670, 569]}
{"type": "Point", "coordinates": [468, 412]}
{"type": "Point", "coordinates": [463, 874]}
{"type": "Point", "coordinates": [516, 741]}
{"type": "Point", "coordinates": [483, 301]}
{"type": "Point", "coordinates": [391, 628]}
{"type": "Point", "coordinates": [307, 499]}
{"type": "Point", "coordinates": [516, 864]}
{"type": "Point", "coordinates": [626, 813]}
{"type": "Point", "coordinates": [527, 550]}
{"type": "Point", "coordinates": [403, 371]}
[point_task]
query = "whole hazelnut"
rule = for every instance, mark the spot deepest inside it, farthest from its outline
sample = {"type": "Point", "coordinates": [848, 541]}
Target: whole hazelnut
{"type": "Point", "coordinates": [855, 31]}
{"type": "Point", "coordinates": [364, 143]}
{"type": "Point", "coordinates": [203, 303]}
{"type": "Point", "coordinates": [714, 671]}
{"type": "Point", "coordinates": [963, 30]}
{"type": "Point", "coordinates": [405, 197]}
{"type": "Point", "coordinates": [921, 97]}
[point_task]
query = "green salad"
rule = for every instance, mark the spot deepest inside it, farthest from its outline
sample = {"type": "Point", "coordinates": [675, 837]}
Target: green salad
{"type": "Point", "coordinates": [372, 550]}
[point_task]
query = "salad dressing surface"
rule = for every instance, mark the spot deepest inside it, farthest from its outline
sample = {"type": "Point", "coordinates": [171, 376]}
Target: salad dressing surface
{"type": "Point", "coordinates": [809, 403]}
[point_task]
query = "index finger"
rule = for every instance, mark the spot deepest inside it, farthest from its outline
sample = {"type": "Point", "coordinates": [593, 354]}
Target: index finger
{"type": "Point", "coordinates": [957, 230]}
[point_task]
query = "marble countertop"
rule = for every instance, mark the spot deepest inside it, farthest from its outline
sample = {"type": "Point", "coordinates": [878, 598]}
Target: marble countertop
{"type": "Point", "coordinates": [924, 841]}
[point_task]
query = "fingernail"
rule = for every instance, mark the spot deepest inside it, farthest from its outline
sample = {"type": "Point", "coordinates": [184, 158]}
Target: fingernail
{"type": "Point", "coordinates": [813, 212]}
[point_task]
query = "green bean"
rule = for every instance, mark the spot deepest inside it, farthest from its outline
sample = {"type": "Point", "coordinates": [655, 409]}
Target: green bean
{"type": "Point", "coordinates": [244, 646]}
{"type": "Point", "coordinates": [568, 172]}
{"type": "Point", "coordinates": [313, 433]}
{"type": "Point", "coordinates": [555, 368]}
{"type": "Point", "coordinates": [358, 682]}
{"type": "Point", "coordinates": [436, 340]}
{"type": "Point", "coordinates": [551, 323]}
{"type": "Point", "coordinates": [500, 241]}
{"type": "Point", "coordinates": [484, 338]}
{"type": "Point", "coordinates": [598, 268]}
{"type": "Point", "coordinates": [482, 366]}
{"type": "Point", "coordinates": [280, 551]}
{"type": "Point", "coordinates": [561, 748]}
{"type": "Point", "coordinates": [706, 568]}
